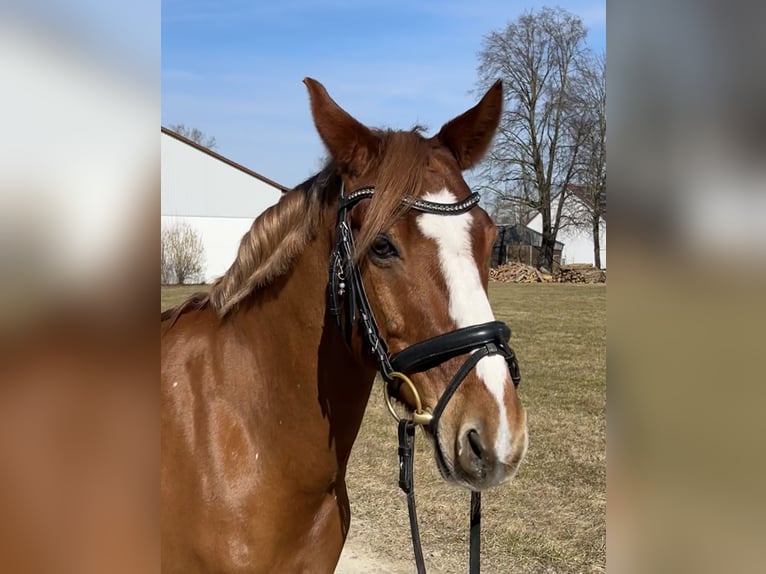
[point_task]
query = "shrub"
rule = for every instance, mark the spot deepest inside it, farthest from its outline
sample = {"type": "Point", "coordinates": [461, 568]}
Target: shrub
{"type": "Point", "coordinates": [183, 255]}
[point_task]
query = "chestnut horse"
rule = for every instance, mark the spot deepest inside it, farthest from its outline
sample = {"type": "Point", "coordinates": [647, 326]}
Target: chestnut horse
{"type": "Point", "coordinates": [263, 394]}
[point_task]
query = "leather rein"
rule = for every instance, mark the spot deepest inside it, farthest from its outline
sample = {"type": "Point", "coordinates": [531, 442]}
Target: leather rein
{"type": "Point", "coordinates": [348, 303]}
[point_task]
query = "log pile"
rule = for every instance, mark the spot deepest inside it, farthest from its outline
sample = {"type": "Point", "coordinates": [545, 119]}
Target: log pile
{"type": "Point", "coordinates": [581, 274]}
{"type": "Point", "coordinates": [515, 272]}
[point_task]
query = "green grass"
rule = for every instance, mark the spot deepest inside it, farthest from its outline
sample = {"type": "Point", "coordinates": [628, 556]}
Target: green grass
{"type": "Point", "coordinates": [172, 295]}
{"type": "Point", "coordinates": [552, 516]}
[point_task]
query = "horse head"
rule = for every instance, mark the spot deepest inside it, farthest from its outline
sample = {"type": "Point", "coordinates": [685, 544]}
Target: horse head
{"type": "Point", "coordinates": [424, 273]}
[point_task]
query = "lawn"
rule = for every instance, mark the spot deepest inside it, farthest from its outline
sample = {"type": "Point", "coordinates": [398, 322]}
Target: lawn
{"type": "Point", "coordinates": [552, 516]}
{"type": "Point", "coordinates": [173, 295]}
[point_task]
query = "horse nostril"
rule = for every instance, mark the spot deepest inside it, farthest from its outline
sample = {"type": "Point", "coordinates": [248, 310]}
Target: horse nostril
{"type": "Point", "coordinates": [473, 457]}
{"type": "Point", "coordinates": [475, 442]}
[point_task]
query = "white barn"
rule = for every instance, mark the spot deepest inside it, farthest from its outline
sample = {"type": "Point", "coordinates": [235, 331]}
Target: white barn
{"type": "Point", "coordinates": [578, 242]}
{"type": "Point", "coordinates": [219, 198]}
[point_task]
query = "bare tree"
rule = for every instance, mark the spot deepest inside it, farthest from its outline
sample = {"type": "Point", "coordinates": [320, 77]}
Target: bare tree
{"type": "Point", "coordinates": [590, 100]}
{"type": "Point", "coordinates": [535, 153]}
{"type": "Point", "coordinates": [505, 210]}
{"type": "Point", "coordinates": [183, 255]}
{"type": "Point", "coordinates": [195, 135]}
{"type": "Point", "coordinates": [167, 275]}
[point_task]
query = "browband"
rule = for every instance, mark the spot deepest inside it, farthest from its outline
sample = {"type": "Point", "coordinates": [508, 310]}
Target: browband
{"type": "Point", "coordinates": [413, 203]}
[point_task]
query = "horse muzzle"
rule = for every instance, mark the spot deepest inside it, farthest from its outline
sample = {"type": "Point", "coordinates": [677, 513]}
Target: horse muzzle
{"type": "Point", "coordinates": [466, 454]}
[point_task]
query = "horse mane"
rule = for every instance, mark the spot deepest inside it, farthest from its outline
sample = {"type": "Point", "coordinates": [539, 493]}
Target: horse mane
{"type": "Point", "coordinates": [195, 302]}
{"type": "Point", "coordinates": [280, 233]}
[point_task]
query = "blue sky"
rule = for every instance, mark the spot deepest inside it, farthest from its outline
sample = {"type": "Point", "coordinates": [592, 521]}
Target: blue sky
{"type": "Point", "coordinates": [234, 68]}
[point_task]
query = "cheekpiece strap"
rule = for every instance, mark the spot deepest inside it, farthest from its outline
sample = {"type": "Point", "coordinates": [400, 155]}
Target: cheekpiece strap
{"type": "Point", "coordinates": [345, 284]}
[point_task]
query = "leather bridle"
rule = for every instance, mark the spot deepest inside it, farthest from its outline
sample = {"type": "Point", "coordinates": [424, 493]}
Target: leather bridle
{"type": "Point", "coordinates": [348, 302]}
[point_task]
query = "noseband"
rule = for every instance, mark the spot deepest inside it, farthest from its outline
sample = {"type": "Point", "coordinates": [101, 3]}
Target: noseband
{"type": "Point", "coordinates": [348, 300]}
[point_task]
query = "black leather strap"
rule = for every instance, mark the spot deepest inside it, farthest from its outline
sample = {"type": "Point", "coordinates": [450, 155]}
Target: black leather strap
{"type": "Point", "coordinates": [454, 384]}
{"type": "Point", "coordinates": [474, 556]}
{"type": "Point", "coordinates": [406, 456]}
{"type": "Point", "coordinates": [406, 434]}
{"type": "Point", "coordinates": [436, 350]}
{"type": "Point", "coordinates": [377, 345]}
{"type": "Point", "coordinates": [343, 271]}
{"type": "Point", "coordinates": [417, 204]}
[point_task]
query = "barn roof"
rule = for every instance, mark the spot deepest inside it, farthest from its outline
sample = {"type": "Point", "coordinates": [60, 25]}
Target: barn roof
{"type": "Point", "coordinates": [581, 192]}
{"type": "Point", "coordinates": [225, 160]}
{"type": "Point", "coordinates": [519, 234]}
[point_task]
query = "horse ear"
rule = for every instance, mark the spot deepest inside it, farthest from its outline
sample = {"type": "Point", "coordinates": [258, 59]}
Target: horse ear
{"type": "Point", "coordinates": [468, 136]}
{"type": "Point", "coordinates": [352, 145]}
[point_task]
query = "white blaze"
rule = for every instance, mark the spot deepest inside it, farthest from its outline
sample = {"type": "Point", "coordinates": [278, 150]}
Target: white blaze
{"type": "Point", "coordinates": [468, 304]}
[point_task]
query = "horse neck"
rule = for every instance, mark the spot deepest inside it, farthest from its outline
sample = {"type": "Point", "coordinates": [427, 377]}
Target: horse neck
{"type": "Point", "coordinates": [322, 386]}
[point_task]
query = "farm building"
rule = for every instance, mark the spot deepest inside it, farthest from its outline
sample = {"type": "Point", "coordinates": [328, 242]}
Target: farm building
{"type": "Point", "coordinates": [520, 243]}
{"type": "Point", "coordinates": [217, 197]}
{"type": "Point", "coordinates": [577, 240]}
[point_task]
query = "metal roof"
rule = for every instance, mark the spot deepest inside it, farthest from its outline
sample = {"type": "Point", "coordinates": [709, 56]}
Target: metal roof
{"type": "Point", "coordinates": [519, 234]}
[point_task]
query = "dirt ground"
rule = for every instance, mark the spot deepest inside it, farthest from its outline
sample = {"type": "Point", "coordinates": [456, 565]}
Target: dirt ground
{"type": "Point", "coordinates": [358, 559]}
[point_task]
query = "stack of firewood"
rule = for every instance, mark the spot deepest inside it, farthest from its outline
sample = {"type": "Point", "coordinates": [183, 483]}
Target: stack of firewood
{"type": "Point", "coordinates": [515, 272]}
{"type": "Point", "coordinates": [581, 274]}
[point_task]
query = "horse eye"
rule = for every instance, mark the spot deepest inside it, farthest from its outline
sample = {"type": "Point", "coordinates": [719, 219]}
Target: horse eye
{"type": "Point", "coordinates": [383, 248]}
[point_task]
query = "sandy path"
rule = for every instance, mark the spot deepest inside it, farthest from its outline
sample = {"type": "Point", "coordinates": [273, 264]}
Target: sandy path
{"type": "Point", "coordinates": [356, 559]}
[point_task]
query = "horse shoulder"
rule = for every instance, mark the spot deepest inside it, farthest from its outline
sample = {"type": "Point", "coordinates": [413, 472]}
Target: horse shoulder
{"type": "Point", "coordinates": [212, 464]}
